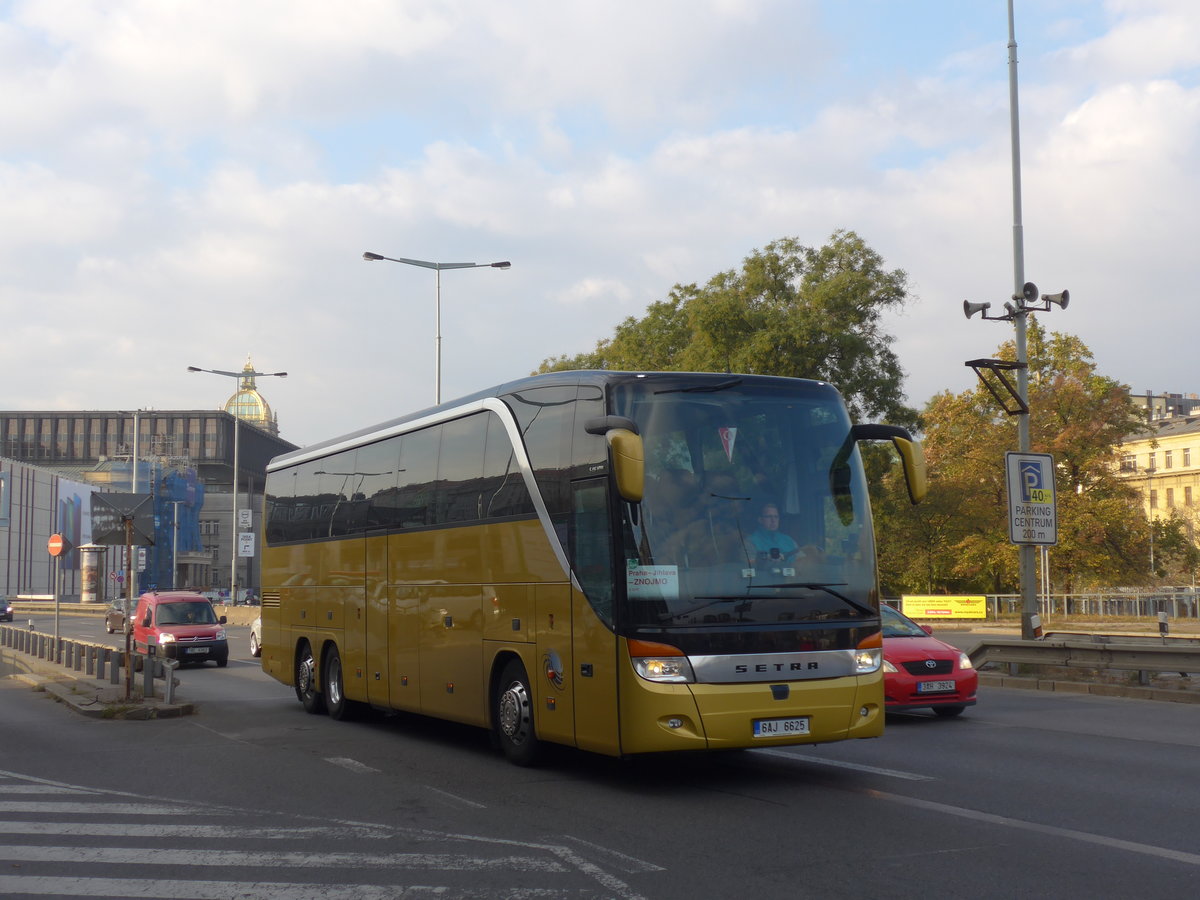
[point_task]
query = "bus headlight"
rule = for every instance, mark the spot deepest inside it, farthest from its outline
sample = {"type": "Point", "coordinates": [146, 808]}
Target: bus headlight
{"type": "Point", "coordinates": [867, 660]}
{"type": "Point", "coordinates": [660, 662]}
{"type": "Point", "coordinates": [675, 669]}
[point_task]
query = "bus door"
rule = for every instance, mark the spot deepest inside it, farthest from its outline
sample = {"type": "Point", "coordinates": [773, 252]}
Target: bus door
{"type": "Point", "coordinates": [376, 624]}
{"type": "Point", "coordinates": [594, 642]}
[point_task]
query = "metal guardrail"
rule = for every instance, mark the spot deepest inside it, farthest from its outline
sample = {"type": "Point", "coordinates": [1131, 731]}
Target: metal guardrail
{"type": "Point", "coordinates": [97, 661]}
{"type": "Point", "coordinates": [1122, 652]}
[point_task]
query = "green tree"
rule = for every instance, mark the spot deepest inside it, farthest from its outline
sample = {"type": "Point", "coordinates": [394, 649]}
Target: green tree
{"type": "Point", "coordinates": [790, 310]}
{"type": "Point", "coordinates": [1078, 416]}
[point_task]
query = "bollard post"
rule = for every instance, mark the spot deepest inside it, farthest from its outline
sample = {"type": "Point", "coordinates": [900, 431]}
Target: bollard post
{"type": "Point", "coordinates": [90, 664]}
{"type": "Point", "coordinates": [101, 662]}
{"type": "Point", "coordinates": [114, 672]}
{"type": "Point", "coordinates": [148, 676]}
{"type": "Point", "coordinates": [169, 667]}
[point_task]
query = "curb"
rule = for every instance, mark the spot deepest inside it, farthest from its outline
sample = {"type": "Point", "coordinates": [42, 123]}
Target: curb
{"type": "Point", "coordinates": [96, 701]}
{"type": "Point", "coordinates": [1098, 689]}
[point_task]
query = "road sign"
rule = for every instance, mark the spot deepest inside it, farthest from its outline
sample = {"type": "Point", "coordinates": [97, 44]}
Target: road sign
{"type": "Point", "coordinates": [57, 545]}
{"type": "Point", "coordinates": [246, 543]}
{"type": "Point", "coordinates": [111, 512]}
{"type": "Point", "coordinates": [1032, 510]}
{"type": "Point", "coordinates": [245, 519]}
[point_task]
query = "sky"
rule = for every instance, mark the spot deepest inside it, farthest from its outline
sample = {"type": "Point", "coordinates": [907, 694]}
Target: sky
{"type": "Point", "coordinates": [194, 184]}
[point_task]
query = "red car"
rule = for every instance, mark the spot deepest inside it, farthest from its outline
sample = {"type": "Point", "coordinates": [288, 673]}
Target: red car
{"type": "Point", "coordinates": [921, 672]}
{"type": "Point", "coordinates": [180, 625]}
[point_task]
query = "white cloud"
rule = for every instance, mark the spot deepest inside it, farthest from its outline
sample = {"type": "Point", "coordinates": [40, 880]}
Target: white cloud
{"type": "Point", "coordinates": [186, 184]}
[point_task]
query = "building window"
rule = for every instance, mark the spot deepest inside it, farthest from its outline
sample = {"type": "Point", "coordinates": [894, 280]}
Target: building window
{"type": "Point", "coordinates": [1168, 458]}
{"type": "Point", "coordinates": [1128, 462]}
{"type": "Point", "coordinates": [1154, 499]}
{"type": "Point", "coordinates": [1170, 498]}
{"type": "Point", "coordinates": [1187, 456]}
{"type": "Point", "coordinates": [1187, 496]}
{"type": "Point", "coordinates": [1150, 461]}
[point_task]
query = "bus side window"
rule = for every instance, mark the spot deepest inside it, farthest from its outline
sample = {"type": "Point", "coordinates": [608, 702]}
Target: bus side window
{"type": "Point", "coordinates": [591, 545]}
{"type": "Point", "coordinates": [503, 489]}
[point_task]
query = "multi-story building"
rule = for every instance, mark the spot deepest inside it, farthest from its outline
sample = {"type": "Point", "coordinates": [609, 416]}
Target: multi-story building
{"type": "Point", "coordinates": [1163, 461]}
{"type": "Point", "coordinates": [183, 458]}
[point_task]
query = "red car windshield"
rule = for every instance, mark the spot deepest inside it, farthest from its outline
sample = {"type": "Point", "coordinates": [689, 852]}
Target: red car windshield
{"type": "Point", "coordinates": [198, 612]}
{"type": "Point", "coordinates": [897, 625]}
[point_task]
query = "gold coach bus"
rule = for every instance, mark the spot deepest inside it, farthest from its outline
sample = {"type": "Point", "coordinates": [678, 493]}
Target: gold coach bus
{"type": "Point", "coordinates": [573, 558]}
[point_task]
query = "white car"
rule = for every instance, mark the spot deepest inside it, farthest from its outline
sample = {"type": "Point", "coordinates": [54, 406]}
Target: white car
{"type": "Point", "coordinates": [256, 637]}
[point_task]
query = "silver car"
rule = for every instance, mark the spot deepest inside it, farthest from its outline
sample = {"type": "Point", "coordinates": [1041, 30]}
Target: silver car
{"type": "Point", "coordinates": [256, 637]}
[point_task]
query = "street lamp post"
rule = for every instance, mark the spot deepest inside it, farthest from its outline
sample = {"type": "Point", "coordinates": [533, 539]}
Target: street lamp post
{"type": "Point", "coordinates": [437, 267]}
{"type": "Point", "coordinates": [233, 549]}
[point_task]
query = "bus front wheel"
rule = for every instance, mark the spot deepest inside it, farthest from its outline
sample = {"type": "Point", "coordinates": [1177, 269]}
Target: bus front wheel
{"type": "Point", "coordinates": [306, 677]}
{"type": "Point", "coordinates": [512, 715]}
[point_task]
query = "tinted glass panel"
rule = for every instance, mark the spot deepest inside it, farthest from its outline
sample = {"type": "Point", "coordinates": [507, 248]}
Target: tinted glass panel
{"type": "Point", "coordinates": [504, 492]}
{"type": "Point", "coordinates": [460, 469]}
{"type": "Point", "coordinates": [378, 469]}
{"type": "Point", "coordinates": [418, 472]}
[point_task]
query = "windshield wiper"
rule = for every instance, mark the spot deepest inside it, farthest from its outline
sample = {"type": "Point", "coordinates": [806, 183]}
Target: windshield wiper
{"type": "Point", "coordinates": [827, 588]}
{"type": "Point", "coordinates": [708, 601]}
{"type": "Point", "coordinates": [703, 388]}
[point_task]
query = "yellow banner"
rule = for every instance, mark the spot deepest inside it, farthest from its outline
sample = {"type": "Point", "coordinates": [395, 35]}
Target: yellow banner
{"type": "Point", "coordinates": [920, 606]}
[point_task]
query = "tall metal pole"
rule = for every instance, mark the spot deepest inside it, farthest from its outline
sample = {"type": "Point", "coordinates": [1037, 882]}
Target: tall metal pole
{"type": "Point", "coordinates": [233, 532]}
{"type": "Point", "coordinates": [437, 340]}
{"type": "Point", "coordinates": [175, 546]}
{"type": "Point", "coordinates": [1028, 572]}
{"type": "Point", "coordinates": [437, 336]}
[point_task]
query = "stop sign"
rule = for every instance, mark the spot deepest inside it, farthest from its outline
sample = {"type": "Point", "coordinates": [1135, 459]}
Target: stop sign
{"type": "Point", "coordinates": [56, 544]}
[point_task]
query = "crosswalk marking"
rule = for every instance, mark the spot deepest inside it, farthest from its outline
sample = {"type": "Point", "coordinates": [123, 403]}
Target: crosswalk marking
{"type": "Point", "coordinates": [62, 840]}
{"type": "Point", "coordinates": [444, 862]}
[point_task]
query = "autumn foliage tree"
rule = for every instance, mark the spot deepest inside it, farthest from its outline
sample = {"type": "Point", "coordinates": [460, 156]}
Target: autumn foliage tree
{"type": "Point", "coordinates": [958, 540]}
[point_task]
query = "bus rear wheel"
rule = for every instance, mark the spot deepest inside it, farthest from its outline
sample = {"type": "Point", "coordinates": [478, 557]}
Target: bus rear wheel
{"type": "Point", "coordinates": [306, 677]}
{"type": "Point", "coordinates": [335, 688]}
{"type": "Point", "coordinates": [512, 716]}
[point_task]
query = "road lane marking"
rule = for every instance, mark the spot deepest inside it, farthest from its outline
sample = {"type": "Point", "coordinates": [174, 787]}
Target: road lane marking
{"type": "Point", "coordinates": [27, 886]}
{"type": "Point", "coordinates": [1192, 859]}
{"type": "Point", "coordinates": [456, 798]}
{"type": "Point", "coordinates": [442, 862]}
{"type": "Point", "coordinates": [842, 764]}
{"type": "Point", "coordinates": [352, 765]}
{"type": "Point", "coordinates": [630, 864]}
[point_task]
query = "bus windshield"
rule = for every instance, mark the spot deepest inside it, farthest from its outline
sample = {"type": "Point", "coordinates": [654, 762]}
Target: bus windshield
{"type": "Point", "coordinates": [755, 509]}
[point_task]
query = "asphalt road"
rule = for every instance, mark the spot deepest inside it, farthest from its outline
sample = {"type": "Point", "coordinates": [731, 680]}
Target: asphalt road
{"type": "Point", "coordinates": [1027, 794]}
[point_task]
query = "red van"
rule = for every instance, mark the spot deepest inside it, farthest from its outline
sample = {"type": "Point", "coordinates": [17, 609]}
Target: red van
{"type": "Point", "coordinates": [180, 625]}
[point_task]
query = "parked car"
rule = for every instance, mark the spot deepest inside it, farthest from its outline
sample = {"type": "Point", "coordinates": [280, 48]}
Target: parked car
{"type": "Point", "coordinates": [180, 625]}
{"type": "Point", "coordinates": [114, 617]}
{"type": "Point", "coordinates": [6, 611]}
{"type": "Point", "coordinates": [921, 672]}
{"type": "Point", "coordinates": [256, 636]}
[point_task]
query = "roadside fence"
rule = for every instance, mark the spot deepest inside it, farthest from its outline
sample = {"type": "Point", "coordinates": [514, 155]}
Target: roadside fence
{"type": "Point", "coordinates": [97, 661]}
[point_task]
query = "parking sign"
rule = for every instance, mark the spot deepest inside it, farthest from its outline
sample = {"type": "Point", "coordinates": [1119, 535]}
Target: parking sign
{"type": "Point", "coordinates": [1032, 510]}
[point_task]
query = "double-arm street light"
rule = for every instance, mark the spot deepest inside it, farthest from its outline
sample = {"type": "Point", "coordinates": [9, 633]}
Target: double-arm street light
{"type": "Point", "coordinates": [246, 373]}
{"type": "Point", "coordinates": [437, 267]}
